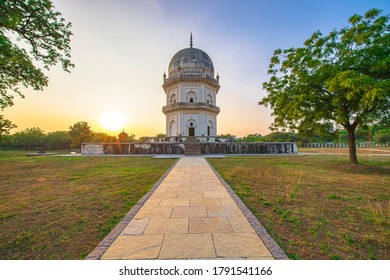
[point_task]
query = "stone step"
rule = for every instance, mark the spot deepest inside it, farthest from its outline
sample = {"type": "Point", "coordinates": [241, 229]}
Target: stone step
{"type": "Point", "coordinates": [191, 140]}
{"type": "Point", "coordinates": [192, 149]}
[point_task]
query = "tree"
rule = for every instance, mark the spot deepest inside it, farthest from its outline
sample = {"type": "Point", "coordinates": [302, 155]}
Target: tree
{"type": "Point", "coordinates": [102, 137]}
{"type": "Point", "coordinates": [45, 38]}
{"type": "Point", "coordinates": [338, 79]}
{"type": "Point", "coordinates": [57, 140]}
{"type": "Point", "coordinates": [382, 135]}
{"type": "Point", "coordinates": [131, 138]}
{"type": "Point", "coordinates": [363, 133]}
{"type": "Point", "coordinates": [319, 137]}
{"type": "Point", "coordinates": [5, 126]}
{"type": "Point", "coordinates": [229, 137]}
{"type": "Point", "coordinates": [253, 138]}
{"type": "Point", "coordinates": [80, 132]}
{"type": "Point", "coordinates": [144, 139]}
{"type": "Point", "coordinates": [279, 136]}
{"type": "Point", "coordinates": [29, 138]}
{"type": "Point", "coordinates": [7, 141]}
{"type": "Point", "coordinates": [161, 136]}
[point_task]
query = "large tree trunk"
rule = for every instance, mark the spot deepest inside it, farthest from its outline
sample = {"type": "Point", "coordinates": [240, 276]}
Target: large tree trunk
{"type": "Point", "coordinates": [351, 145]}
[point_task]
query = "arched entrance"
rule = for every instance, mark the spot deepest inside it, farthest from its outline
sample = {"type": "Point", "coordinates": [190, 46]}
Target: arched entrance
{"type": "Point", "coordinates": [191, 127]}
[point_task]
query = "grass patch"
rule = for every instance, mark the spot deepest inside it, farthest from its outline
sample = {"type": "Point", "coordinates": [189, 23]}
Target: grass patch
{"type": "Point", "coordinates": [317, 207]}
{"type": "Point", "coordinates": [22, 153]}
{"type": "Point", "coordinates": [62, 207]}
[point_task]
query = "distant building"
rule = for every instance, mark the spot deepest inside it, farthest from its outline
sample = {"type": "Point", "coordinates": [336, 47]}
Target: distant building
{"type": "Point", "coordinates": [191, 94]}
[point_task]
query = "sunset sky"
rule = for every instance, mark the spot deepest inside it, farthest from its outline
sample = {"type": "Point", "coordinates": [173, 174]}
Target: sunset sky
{"type": "Point", "coordinates": [121, 49]}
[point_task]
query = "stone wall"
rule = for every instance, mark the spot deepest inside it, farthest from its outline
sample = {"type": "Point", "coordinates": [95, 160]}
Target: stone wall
{"type": "Point", "coordinates": [249, 148]}
{"type": "Point", "coordinates": [92, 149]}
{"type": "Point", "coordinates": [176, 148]}
{"type": "Point", "coordinates": [156, 148]}
{"type": "Point", "coordinates": [343, 145]}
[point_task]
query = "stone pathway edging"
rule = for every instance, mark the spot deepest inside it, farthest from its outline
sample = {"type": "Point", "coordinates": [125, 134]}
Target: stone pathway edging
{"type": "Point", "coordinates": [269, 242]}
{"type": "Point", "coordinates": [110, 238]}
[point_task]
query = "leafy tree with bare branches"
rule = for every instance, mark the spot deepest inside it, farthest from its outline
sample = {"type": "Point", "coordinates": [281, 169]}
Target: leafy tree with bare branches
{"type": "Point", "coordinates": [341, 79]}
{"type": "Point", "coordinates": [31, 31]}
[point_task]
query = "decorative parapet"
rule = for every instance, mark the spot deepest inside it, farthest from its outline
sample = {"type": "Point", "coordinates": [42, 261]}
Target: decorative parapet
{"type": "Point", "coordinates": [191, 76]}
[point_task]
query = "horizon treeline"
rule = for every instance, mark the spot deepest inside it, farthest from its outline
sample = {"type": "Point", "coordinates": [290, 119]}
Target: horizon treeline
{"type": "Point", "coordinates": [36, 138]}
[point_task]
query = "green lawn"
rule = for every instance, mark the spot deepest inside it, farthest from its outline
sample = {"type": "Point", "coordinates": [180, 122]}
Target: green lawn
{"type": "Point", "coordinates": [317, 207]}
{"type": "Point", "coordinates": [62, 207]}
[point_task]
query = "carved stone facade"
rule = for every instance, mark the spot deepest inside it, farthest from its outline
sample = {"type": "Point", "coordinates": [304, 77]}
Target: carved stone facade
{"type": "Point", "coordinates": [191, 94]}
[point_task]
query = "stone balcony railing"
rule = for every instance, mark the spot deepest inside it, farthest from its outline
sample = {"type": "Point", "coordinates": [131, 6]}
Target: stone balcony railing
{"type": "Point", "coordinates": [187, 106]}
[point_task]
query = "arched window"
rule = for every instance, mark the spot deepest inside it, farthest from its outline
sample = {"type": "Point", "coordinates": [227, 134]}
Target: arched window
{"type": "Point", "coordinates": [172, 99]}
{"type": "Point", "coordinates": [209, 99]}
{"type": "Point", "coordinates": [191, 96]}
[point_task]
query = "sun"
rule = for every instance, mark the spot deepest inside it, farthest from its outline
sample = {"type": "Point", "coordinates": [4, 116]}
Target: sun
{"type": "Point", "coordinates": [113, 121]}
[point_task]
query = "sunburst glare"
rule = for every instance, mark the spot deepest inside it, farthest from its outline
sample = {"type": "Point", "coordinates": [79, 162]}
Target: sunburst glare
{"type": "Point", "coordinates": [113, 121]}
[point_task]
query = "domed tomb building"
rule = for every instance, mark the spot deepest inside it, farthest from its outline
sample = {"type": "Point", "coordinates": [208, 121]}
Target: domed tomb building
{"type": "Point", "coordinates": [191, 94]}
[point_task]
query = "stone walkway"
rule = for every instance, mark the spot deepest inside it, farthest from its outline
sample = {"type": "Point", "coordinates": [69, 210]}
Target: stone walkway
{"type": "Point", "coordinates": [190, 215]}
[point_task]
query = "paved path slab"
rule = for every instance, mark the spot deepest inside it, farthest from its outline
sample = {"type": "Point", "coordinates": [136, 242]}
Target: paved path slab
{"type": "Point", "coordinates": [192, 214]}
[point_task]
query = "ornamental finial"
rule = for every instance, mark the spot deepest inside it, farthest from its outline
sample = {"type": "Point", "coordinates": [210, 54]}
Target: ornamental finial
{"type": "Point", "coordinates": [191, 40]}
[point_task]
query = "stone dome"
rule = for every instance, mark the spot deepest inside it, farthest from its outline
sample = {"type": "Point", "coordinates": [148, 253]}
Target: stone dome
{"type": "Point", "coordinates": [191, 60]}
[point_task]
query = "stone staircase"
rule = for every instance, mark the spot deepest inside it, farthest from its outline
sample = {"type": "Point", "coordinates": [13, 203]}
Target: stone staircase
{"type": "Point", "coordinates": [192, 148]}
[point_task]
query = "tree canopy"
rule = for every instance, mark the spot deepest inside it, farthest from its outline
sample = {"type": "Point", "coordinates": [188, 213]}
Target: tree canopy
{"type": "Point", "coordinates": [80, 132]}
{"type": "Point", "coordinates": [31, 31]}
{"type": "Point", "coordinates": [253, 138]}
{"type": "Point", "coordinates": [30, 138]}
{"type": "Point", "coordinates": [57, 140]}
{"type": "Point", "coordinates": [341, 79]}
